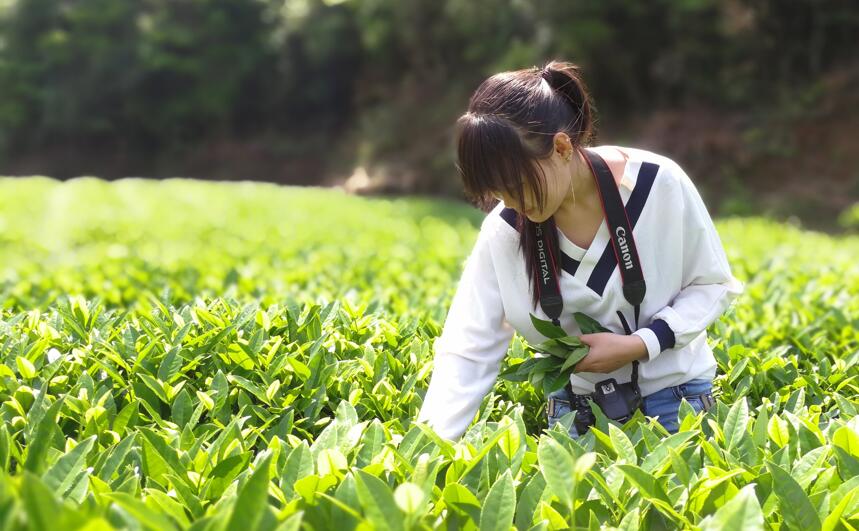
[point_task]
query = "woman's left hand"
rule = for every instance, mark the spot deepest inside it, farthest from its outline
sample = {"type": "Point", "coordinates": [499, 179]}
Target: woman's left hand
{"type": "Point", "coordinates": [609, 351]}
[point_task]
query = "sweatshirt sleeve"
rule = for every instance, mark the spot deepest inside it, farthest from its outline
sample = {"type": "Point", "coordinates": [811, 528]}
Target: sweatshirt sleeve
{"type": "Point", "coordinates": [468, 353]}
{"type": "Point", "coordinates": [708, 285]}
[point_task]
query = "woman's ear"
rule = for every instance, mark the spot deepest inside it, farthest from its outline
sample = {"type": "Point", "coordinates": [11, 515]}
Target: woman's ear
{"type": "Point", "coordinates": [563, 145]}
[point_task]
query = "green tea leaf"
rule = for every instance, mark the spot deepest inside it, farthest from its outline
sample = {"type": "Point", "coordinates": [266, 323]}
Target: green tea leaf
{"type": "Point", "coordinates": [743, 511]}
{"type": "Point", "coordinates": [556, 465]}
{"type": "Point", "coordinates": [646, 483]}
{"type": "Point", "coordinates": [224, 473]}
{"type": "Point", "coordinates": [846, 439]}
{"type": "Point", "coordinates": [553, 382]}
{"type": "Point", "coordinates": [622, 445]}
{"type": "Point", "coordinates": [547, 328]}
{"type": "Point", "coordinates": [158, 456]}
{"type": "Point", "coordinates": [65, 474]}
{"type": "Point", "coordinates": [552, 347]}
{"type": "Point", "coordinates": [777, 430]}
{"type": "Point", "coordinates": [735, 423]}
{"type": "Point", "coordinates": [409, 497]}
{"type": "Point", "coordinates": [570, 341]}
{"type": "Point", "coordinates": [37, 449]}
{"type": "Point", "coordinates": [170, 365]}
{"type": "Point", "coordinates": [126, 417]}
{"type": "Point", "coordinates": [117, 456]}
{"type": "Point", "coordinates": [252, 499]}
{"type": "Point", "coordinates": [574, 357]}
{"type": "Point", "coordinates": [531, 496]}
{"type": "Point", "coordinates": [589, 325]}
{"type": "Point", "coordinates": [797, 510]}
{"type": "Point", "coordinates": [206, 400]}
{"type": "Point", "coordinates": [499, 505]}
{"type": "Point", "coordinates": [148, 517]}
{"type": "Point", "coordinates": [833, 520]}
{"type": "Point", "coordinates": [40, 503]}
{"type": "Point", "coordinates": [182, 408]}
{"type": "Point", "coordinates": [26, 368]}
{"type": "Point", "coordinates": [378, 501]}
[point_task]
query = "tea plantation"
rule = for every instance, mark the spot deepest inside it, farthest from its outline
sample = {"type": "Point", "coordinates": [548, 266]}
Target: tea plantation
{"type": "Point", "coordinates": [220, 356]}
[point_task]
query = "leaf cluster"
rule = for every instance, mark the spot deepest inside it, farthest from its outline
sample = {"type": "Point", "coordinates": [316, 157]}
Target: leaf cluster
{"type": "Point", "coordinates": [553, 371]}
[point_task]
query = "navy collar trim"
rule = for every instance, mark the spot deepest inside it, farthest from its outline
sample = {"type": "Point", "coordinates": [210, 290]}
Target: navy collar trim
{"type": "Point", "coordinates": [608, 261]}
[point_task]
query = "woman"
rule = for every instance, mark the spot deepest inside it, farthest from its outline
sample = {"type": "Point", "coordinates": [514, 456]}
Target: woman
{"type": "Point", "coordinates": [522, 141]}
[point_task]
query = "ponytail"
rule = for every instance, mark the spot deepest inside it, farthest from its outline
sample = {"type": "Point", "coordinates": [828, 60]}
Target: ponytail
{"type": "Point", "coordinates": [565, 79]}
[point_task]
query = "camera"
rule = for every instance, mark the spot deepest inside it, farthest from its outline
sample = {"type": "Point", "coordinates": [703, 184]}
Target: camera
{"type": "Point", "coordinates": [617, 401]}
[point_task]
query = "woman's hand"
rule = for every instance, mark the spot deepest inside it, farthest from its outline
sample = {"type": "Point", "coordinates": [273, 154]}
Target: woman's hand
{"type": "Point", "coordinates": [609, 352]}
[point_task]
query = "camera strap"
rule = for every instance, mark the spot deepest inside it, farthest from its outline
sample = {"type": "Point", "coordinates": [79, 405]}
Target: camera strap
{"type": "Point", "coordinates": [622, 242]}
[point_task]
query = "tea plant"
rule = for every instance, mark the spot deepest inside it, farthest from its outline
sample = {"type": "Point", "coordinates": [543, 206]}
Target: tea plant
{"type": "Point", "coordinates": [183, 355]}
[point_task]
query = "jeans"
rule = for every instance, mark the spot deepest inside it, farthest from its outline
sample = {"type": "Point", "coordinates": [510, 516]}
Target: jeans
{"type": "Point", "coordinates": [663, 404]}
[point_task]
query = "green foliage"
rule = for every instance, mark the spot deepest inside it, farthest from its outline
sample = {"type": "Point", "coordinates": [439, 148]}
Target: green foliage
{"type": "Point", "coordinates": [156, 73]}
{"type": "Point", "coordinates": [149, 80]}
{"type": "Point", "coordinates": [552, 372]}
{"type": "Point", "coordinates": [849, 218]}
{"type": "Point", "coordinates": [198, 357]}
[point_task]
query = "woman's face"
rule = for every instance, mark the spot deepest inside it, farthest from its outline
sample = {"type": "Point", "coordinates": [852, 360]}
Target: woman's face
{"type": "Point", "coordinates": [556, 187]}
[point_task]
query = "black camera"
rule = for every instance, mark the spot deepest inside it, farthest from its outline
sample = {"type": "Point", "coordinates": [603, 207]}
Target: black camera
{"type": "Point", "coordinates": [618, 401]}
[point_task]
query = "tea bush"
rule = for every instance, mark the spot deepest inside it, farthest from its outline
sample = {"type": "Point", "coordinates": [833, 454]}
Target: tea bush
{"type": "Point", "coordinates": [188, 355]}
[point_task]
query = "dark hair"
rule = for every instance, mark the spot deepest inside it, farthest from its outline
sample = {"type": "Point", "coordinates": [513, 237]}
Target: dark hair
{"type": "Point", "coordinates": [511, 122]}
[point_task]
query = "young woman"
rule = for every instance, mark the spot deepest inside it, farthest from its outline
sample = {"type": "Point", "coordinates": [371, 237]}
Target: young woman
{"type": "Point", "coordinates": [522, 141]}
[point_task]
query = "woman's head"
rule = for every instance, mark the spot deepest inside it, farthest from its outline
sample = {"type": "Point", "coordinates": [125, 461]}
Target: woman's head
{"type": "Point", "coordinates": [552, 182]}
{"type": "Point", "coordinates": [519, 128]}
{"type": "Point", "coordinates": [519, 141]}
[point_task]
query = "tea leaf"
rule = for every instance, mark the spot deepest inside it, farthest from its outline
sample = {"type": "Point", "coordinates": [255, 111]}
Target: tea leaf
{"type": "Point", "coordinates": [499, 505]}
{"type": "Point", "coordinates": [589, 325]}
{"type": "Point", "coordinates": [547, 328]}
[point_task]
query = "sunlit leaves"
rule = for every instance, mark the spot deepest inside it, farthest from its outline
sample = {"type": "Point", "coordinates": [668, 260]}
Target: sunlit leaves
{"type": "Point", "coordinates": [283, 390]}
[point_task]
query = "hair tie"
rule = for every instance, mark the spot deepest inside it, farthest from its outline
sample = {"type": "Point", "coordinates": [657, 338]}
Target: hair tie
{"type": "Point", "coordinates": [546, 74]}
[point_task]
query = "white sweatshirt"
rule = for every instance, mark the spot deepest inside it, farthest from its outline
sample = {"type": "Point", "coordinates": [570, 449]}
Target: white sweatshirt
{"type": "Point", "coordinates": [689, 285]}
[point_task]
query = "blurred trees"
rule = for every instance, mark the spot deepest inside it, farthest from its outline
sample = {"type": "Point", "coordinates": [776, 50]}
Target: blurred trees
{"type": "Point", "coordinates": [385, 78]}
{"type": "Point", "coordinates": [144, 73]}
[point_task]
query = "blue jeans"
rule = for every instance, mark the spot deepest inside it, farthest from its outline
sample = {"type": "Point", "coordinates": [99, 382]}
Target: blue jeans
{"type": "Point", "coordinates": [663, 404]}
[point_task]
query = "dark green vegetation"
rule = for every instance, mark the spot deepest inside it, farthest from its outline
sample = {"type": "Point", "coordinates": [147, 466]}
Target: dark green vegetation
{"type": "Point", "coordinates": [297, 90]}
{"type": "Point", "coordinates": [225, 356]}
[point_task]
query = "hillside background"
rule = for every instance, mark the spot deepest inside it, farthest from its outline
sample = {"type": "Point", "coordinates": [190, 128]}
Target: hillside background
{"type": "Point", "coordinates": [758, 100]}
